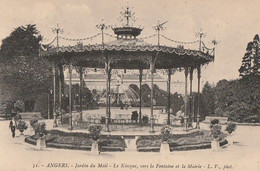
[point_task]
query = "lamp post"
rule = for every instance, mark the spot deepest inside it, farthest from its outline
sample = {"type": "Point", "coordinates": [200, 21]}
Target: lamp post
{"type": "Point", "coordinates": [50, 92]}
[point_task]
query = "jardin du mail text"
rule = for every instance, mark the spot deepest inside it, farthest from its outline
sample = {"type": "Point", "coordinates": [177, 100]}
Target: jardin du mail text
{"type": "Point", "coordinates": [126, 166]}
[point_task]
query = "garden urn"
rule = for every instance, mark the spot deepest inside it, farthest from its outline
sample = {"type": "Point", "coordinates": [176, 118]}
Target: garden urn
{"type": "Point", "coordinates": [94, 148]}
{"type": "Point", "coordinates": [215, 146]}
{"type": "Point", "coordinates": [41, 143]}
{"type": "Point", "coordinates": [165, 148]}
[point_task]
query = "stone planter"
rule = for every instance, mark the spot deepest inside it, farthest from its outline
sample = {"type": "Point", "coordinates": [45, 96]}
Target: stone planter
{"type": "Point", "coordinates": [215, 145]}
{"type": "Point", "coordinates": [165, 148]}
{"type": "Point", "coordinates": [21, 137]}
{"type": "Point", "coordinates": [231, 139]}
{"type": "Point", "coordinates": [94, 148]}
{"type": "Point", "coordinates": [21, 132]}
{"type": "Point", "coordinates": [41, 143]}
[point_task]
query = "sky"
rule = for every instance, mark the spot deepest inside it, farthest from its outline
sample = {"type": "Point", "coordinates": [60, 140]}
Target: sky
{"type": "Point", "coordinates": [232, 22]}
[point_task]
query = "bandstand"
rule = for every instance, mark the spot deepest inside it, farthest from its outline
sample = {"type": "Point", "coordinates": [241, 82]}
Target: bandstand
{"type": "Point", "coordinates": [127, 52]}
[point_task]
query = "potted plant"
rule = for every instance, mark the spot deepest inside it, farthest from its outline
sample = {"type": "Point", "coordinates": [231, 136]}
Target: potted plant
{"type": "Point", "coordinates": [39, 132]}
{"type": "Point", "coordinates": [165, 133]}
{"type": "Point", "coordinates": [231, 127]}
{"type": "Point", "coordinates": [95, 131]}
{"type": "Point", "coordinates": [215, 133]}
{"type": "Point", "coordinates": [214, 122]}
{"type": "Point", "coordinates": [21, 126]}
{"type": "Point", "coordinates": [33, 122]}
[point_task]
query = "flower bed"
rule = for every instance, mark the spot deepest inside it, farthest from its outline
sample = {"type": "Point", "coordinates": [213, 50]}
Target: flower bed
{"type": "Point", "coordinates": [79, 141]}
{"type": "Point", "coordinates": [193, 141]}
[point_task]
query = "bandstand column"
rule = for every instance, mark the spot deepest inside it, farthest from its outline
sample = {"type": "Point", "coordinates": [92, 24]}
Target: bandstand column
{"type": "Point", "coordinates": [107, 68]}
{"type": "Point", "coordinates": [60, 90]}
{"type": "Point", "coordinates": [169, 97]}
{"type": "Point", "coordinates": [198, 105]}
{"type": "Point", "coordinates": [186, 99]}
{"type": "Point", "coordinates": [152, 117]}
{"type": "Point", "coordinates": [70, 97]}
{"type": "Point", "coordinates": [140, 94]}
{"type": "Point", "coordinates": [80, 91]}
{"type": "Point", "coordinates": [54, 94]}
{"type": "Point", "coordinates": [191, 98]}
{"type": "Point", "coordinates": [109, 95]}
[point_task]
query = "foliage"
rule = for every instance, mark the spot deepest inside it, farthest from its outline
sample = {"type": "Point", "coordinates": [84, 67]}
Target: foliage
{"type": "Point", "coordinates": [18, 116]}
{"type": "Point", "coordinates": [251, 59]}
{"type": "Point", "coordinates": [146, 92]}
{"type": "Point", "coordinates": [178, 142]}
{"type": "Point", "coordinates": [95, 131]}
{"type": "Point", "coordinates": [39, 127]}
{"type": "Point", "coordinates": [202, 106]}
{"type": "Point", "coordinates": [145, 119]}
{"type": "Point", "coordinates": [165, 132]}
{"type": "Point", "coordinates": [41, 105]}
{"type": "Point", "coordinates": [79, 141]}
{"type": "Point", "coordinates": [19, 105]}
{"type": "Point", "coordinates": [23, 73]}
{"type": "Point", "coordinates": [231, 127]}
{"type": "Point", "coordinates": [21, 126]}
{"type": "Point", "coordinates": [176, 102]}
{"type": "Point", "coordinates": [216, 131]}
{"type": "Point", "coordinates": [209, 95]}
{"type": "Point", "coordinates": [33, 121]}
{"type": "Point", "coordinates": [160, 96]}
{"type": "Point", "coordinates": [87, 97]}
{"type": "Point", "coordinates": [214, 122]}
{"type": "Point", "coordinates": [238, 99]}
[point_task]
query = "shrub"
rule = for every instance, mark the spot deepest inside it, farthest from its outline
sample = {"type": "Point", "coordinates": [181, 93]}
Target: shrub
{"type": "Point", "coordinates": [165, 132]}
{"type": "Point", "coordinates": [215, 131]}
{"type": "Point", "coordinates": [214, 122]}
{"type": "Point", "coordinates": [39, 127]}
{"type": "Point", "coordinates": [21, 126]}
{"type": "Point", "coordinates": [18, 116]}
{"type": "Point", "coordinates": [95, 131]}
{"type": "Point", "coordinates": [33, 121]}
{"type": "Point", "coordinates": [145, 119]}
{"type": "Point", "coordinates": [41, 105]}
{"type": "Point", "coordinates": [231, 127]}
{"type": "Point", "coordinates": [103, 120]}
{"type": "Point", "coordinates": [19, 105]}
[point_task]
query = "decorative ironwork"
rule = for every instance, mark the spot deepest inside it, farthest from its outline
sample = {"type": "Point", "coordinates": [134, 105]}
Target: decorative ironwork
{"type": "Point", "coordinates": [102, 26]}
{"type": "Point", "coordinates": [200, 34]}
{"type": "Point", "coordinates": [158, 28]}
{"type": "Point", "coordinates": [127, 15]}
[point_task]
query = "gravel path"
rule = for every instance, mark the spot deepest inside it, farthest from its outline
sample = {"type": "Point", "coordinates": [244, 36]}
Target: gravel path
{"type": "Point", "coordinates": [17, 155]}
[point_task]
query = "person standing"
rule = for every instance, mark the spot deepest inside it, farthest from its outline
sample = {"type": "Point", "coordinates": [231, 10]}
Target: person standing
{"type": "Point", "coordinates": [12, 126]}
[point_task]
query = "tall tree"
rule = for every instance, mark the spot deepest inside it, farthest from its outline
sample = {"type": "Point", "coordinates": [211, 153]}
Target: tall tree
{"type": "Point", "coordinates": [251, 60]}
{"type": "Point", "coordinates": [209, 94]}
{"type": "Point", "coordinates": [24, 74]}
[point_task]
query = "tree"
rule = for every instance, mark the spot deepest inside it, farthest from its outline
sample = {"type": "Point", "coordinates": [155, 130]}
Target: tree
{"type": "Point", "coordinates": [24, 74]}
{"type": "Point", "coordinates": [209, 95]}
{"type": "Point", "coordinates": [251, 59]}
{"type": "Point", "coordinates": [146, 92]}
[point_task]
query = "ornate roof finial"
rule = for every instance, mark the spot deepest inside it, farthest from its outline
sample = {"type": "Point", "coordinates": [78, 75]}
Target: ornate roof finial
{"type": "Point", "coordinates": [200, 34]}
{"type": "Point", "coordinates": [127, 16]}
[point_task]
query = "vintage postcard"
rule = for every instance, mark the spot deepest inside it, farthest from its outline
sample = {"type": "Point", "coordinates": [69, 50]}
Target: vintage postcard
{"type": "Point", "coordinates": [129, 85]}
